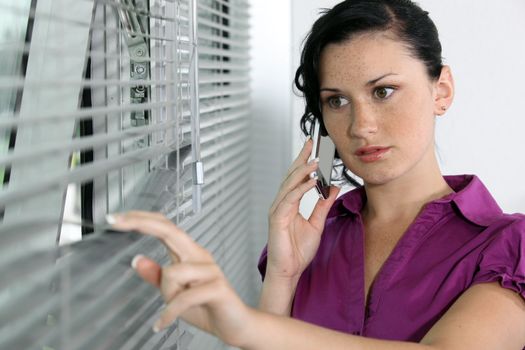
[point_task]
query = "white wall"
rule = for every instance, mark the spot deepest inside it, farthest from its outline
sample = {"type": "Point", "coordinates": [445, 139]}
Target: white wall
{"type": "Point", "coordinates": [484, 131]}
{"type": "Point", "coordinates": [271, 95]}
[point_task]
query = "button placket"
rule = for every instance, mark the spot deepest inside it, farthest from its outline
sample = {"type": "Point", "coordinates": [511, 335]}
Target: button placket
{"type": "Point", "coordinates": [425, 223]}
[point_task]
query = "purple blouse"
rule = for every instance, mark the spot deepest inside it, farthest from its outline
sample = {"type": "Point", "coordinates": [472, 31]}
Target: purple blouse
{"type": "Point", "coordinates": [455, 242]}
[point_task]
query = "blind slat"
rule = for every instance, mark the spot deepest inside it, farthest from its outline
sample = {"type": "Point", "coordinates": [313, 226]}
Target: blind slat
{"type": "Point", "coordinates": [9, 120]}
{"type": "Point", "coordinates": [81, 174]}
{"type": "Point", "coordinates": [239, 32]}
{"type": "Point", "coordinates": [225, 53]}
{"type": "Point", "coordinates": [241, 44]}
{"type": "Point", "coordinates": [83, 143]}
{"type": "Point", "coordinates": [90, 282]}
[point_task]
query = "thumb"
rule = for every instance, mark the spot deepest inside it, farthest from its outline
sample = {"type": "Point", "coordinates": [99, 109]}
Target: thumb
{"type": "Point", "coordinates": [322, 207]}
{"type": "Point", "coordinates": [147, 269]}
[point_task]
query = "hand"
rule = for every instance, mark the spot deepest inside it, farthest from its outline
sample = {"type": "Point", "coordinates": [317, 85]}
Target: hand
{"type": "Point", "coordinates": [293, 241]}
{"type": "Point", "coordinates": [193, 286]}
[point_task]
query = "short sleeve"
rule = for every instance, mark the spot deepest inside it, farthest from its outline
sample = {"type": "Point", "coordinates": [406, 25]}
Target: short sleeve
{"type": "Point", "coordinates": [503, 259]}
{"type": "Point", "coordinates": [262, 262]}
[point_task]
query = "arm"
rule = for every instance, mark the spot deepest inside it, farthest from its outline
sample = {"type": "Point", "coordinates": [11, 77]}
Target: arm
{"type": "Point", "coordinates": [486, 316]}
{"type": "Point", "coordinates": [292, 240]}
{"type": "Point", "coordinates": [277, 295]}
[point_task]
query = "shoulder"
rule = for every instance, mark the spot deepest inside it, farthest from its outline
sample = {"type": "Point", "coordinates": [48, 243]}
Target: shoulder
{"type": "Point", "coordinates": [503, 257]}
{"type": "Point", "coordinates": [490, 312]}
{"type": "Point", "coordinates": [508, 229]}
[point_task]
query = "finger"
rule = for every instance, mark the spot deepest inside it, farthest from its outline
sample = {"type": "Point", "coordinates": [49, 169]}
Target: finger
{"type": "Point", "coordinates": [180, 244]}
{"type": "Point", "coordinates": [185, 300]}
{"type": "Point", "coordinates": [147, 269]}
{"type": "Point", "coordinates": [301, 159]}
{"type": "Point", "coordinates": [292, 199]}
{"type": "Point", "coordinates": [303, 155]}
{"type": "Point", "coordinates": [186, 275]}
{"type": "Point", "coordinates": [300, 175]}
{"type": "Point", "coordinates": [322, 207]}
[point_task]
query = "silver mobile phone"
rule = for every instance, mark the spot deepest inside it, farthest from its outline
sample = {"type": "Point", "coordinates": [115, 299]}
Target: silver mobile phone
{"type": "Point", "coordinates": [324, 149]}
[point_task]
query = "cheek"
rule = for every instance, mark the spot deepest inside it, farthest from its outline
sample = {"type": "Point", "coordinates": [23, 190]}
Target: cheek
{"type": "Point", "coordinates": [412, 119]}
{"type": "Point", "coordinates": [337, 129]}
{"type": "Point", "coordinates": [414, 131]}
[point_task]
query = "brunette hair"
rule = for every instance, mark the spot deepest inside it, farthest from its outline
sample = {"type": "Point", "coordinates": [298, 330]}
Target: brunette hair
{"type": "Point", "coordinates": [402, 18]}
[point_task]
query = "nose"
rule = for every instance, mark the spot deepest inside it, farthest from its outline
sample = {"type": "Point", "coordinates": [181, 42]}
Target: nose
{"type": "Point", "coordinates": [363, 121]}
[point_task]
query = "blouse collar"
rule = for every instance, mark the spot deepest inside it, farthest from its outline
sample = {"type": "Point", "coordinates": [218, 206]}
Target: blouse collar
{"type": "Point", "coordinates": [470, 197]}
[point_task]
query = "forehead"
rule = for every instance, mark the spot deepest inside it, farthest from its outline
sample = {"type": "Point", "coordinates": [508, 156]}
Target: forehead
{"type": "Point", "coordinates": [365, 57]}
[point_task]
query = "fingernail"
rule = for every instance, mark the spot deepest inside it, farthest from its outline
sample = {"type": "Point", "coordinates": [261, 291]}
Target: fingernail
{"type": "Point", "coordinates": [157, 327]}
{"type": "Point", "coordinates": [316, 160]}
{"type": "Point", "coordinates": [135, 260]}
{"type": "Point", "coordinates": [111, 219]}
{"type": "Point", "coordinates": [307, 138]}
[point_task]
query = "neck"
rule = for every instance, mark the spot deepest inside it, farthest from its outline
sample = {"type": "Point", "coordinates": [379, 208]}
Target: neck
{"type": "Point", "coordinates": [404, 197]}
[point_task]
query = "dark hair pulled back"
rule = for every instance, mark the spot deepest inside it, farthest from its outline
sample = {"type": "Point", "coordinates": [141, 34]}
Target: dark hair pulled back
{"type": "Point", "coordinates": [402, 18]}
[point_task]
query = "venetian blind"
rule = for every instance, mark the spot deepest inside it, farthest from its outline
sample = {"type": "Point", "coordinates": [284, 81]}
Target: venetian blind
{"type": "Point", "coordinates": [129, 104]}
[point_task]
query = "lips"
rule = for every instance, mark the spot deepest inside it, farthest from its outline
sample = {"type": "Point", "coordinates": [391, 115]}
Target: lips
{"type": "Point", "coordinates": [371, 153]}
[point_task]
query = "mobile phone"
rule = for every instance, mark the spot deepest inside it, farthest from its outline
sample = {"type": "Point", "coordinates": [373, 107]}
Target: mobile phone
{"type": "Point", "coordinates": [324, 149]}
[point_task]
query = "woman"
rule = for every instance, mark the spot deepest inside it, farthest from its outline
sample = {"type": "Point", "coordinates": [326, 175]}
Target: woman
{"type": "Point", "coordinates": [410, 260]}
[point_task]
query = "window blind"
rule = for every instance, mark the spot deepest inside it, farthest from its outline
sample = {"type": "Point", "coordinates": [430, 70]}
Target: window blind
{"type": "Point", "coordinates": [125, 104]}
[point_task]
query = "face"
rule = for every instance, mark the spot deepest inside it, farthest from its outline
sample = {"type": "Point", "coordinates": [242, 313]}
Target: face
{"type": "Point", "coordinates": [378, 107]}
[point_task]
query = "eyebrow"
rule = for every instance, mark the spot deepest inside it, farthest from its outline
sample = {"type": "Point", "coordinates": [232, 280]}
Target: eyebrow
{"type": "Point", "coordinates": [370, 82]}
{"type": "Point", "coordinates": [373, 81]}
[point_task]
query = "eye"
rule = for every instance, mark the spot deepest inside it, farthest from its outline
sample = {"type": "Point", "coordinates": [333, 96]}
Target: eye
{"type": "Point", "coordinates": [336, 102]}
{"type": "Point", "coordinates": [383, 93]}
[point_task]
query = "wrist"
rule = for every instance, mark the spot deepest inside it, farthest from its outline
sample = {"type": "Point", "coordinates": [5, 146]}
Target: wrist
{"type": "Point", "coordinates": [250, 333]}
{"type": "Point", "coordinates": [282, 280]}
{"type": "Point", "coordinates": [277, 294]}
{"type": "Point", "coordinates": [282, 272]}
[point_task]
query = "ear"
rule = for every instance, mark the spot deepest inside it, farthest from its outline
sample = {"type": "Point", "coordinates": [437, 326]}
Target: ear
{"type": "Point", "coordinates": [443, 91]}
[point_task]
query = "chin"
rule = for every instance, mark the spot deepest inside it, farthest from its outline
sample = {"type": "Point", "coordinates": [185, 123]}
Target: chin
{"type": "Point", "coordinates": [379, 177]}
